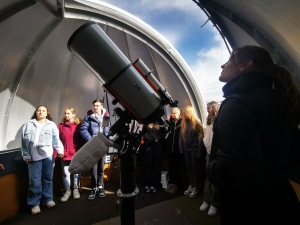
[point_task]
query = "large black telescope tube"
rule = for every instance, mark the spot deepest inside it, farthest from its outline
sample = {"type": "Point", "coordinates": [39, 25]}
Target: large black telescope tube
{"type": "Point", "coordinates": [90, 43]}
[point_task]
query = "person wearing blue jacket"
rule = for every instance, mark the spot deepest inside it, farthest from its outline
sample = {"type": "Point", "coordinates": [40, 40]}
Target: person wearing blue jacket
{"type": "Point", "coordinates": [40, 137]}
{"type": "Point", "coordinates": [91, 125]}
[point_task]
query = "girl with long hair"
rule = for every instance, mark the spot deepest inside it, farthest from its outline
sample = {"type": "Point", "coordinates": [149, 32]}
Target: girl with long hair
{"type": "Point", "coordinates": [191, 135]}
{"type": "Point", "coordinates": [40, 137]}
{"type": "Point", "coordinates": [211, 193]}
{"type": "Point", "coordinates": [72, 141]}
{"type": "Point", "coordinates": [253, 139]}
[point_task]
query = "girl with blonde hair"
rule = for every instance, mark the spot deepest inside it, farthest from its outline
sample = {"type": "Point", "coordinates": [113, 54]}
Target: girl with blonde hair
{"type": "Point", "coordinates": [189, 143]}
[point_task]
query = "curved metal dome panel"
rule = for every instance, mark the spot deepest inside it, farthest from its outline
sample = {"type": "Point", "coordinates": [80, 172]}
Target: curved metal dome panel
{"type": "Point", "coordinates": [38, 69]}
{"type": "Point", "coordinates": [272, 24]}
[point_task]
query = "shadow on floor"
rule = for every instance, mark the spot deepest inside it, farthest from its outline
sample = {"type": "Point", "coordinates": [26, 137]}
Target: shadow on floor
{"type": "Point", "coordinates": [102, 210]}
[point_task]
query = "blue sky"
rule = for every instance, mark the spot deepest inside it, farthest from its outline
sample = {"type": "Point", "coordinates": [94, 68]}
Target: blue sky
{"type": "Point", "coordinates": [179, 21]}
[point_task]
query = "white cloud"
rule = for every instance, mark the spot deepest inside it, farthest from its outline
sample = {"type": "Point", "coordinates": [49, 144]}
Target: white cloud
{"type": "Point", "coordinates": [207, 69]}
{"type": "Point", "coordinates": [172, 36]}
{"type": "Point", "coordinates": [145, 9]}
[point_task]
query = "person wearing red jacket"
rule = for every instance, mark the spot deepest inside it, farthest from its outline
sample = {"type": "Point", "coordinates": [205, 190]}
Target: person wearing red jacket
{"type": "Point", "coordinates": [72, 142]}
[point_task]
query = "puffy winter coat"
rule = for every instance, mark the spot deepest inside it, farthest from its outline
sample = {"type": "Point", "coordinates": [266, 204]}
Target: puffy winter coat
{"type": "Point", "coordinates": [190, 142]}
{"type": "Point", "coordinates": [71, 139]}
{"type": "Point", "coordinates": [153, 135]}
{"type": "Point", "coordinates": [91, 125]}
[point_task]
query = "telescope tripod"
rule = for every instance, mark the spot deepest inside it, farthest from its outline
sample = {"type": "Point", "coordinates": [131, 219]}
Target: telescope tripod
{"type": "Point", "coordinates": [128, 188]}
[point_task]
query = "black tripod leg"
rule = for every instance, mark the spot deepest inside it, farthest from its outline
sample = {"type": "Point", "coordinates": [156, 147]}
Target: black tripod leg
{"type": "Point", "coordinates": [129, 189]}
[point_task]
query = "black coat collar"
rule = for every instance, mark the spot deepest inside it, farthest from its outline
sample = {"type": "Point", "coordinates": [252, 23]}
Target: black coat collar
{"type": "Point", "coordinates": [246, 82]}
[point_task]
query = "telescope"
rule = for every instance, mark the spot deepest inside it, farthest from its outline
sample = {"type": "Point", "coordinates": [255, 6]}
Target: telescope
{"type": "Point", "coordinates": [136, 89]}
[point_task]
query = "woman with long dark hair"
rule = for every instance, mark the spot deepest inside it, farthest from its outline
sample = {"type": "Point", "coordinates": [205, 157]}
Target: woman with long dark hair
{"type": "Point", "coordinates": [40, 137]}
{"type": "Point", "coordinates": [253, 139]}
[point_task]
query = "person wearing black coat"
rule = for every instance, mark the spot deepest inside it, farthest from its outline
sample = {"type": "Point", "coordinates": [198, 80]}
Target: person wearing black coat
{"type": "Point", "coordinates": [252, 141]}
{"type": "Point", "coordinates": [172, 149]}
{"type": "Point", "coordinates": [152, 134]}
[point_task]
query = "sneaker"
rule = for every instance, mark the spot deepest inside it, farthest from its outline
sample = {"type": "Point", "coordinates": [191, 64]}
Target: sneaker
{"type": "Point", "coordinates": [152, 189]}
{"type": "Point", "coordinates": [212, 211]}
{"type": "Point", "coordinates": [49, 204]}
{"type": "Point", "coordinates": [173, 189]}
{"type": "Point", "coordinates": [66, 196]}
{"type": "Point", "coordinates": [76, 194]}
{"type": "Point", "coordinates": [93, 194]}
{"type": "Point", "coordinates": [101, 192]}
{"type": "Point", "coordinates": [194, 193]}
{"type": "Point", "coordinates": [188, 191]}
{"type": "Point", "coordinates": [35, 210]}
{"type": "Point", "coordinates": [169, 187]}
{"type": "Point", "coordinates": [204, 206]}
{"type": "Point", "coordinates": [147, 189]}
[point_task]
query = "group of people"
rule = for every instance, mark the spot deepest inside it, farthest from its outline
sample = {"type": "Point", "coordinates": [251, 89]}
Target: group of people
{"type": "Point", "coordinates": [249, 143]}
{"type": "Point", "coordinates": [189, 140]}
{"type": "Point", "coordinates": [184, 138]}
{"type": "Point", "coordinates": [43, 142]}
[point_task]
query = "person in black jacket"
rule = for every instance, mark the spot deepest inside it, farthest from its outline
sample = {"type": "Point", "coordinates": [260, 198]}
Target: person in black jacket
{"type": "Point", "coordinates": [172, 148]}
{"type": "Point", "coordinates": [152, 134]}
{"type": "Point", "coordinates": [253, 137]}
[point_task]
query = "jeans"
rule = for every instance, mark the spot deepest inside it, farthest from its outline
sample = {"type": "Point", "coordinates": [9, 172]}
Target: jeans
{"type": "Point", "coordinates": [192, 164]}
{"type": "Point", "coordinates": [67, 176]}
{"type": "Point", "coordinates": [40, 181]}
